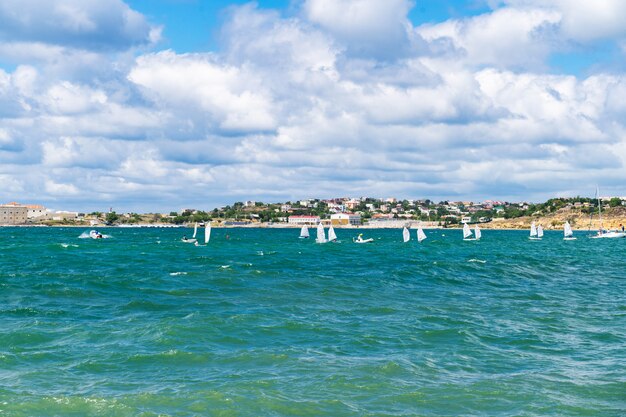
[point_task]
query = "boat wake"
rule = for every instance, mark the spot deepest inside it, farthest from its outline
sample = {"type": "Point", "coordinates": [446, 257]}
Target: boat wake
{"type": "Point", "coordinates": [480, 261]}
{"type": "Point", "coordinates": [67, 245]}
{"type": "Point", "coordinates": [88, 235]}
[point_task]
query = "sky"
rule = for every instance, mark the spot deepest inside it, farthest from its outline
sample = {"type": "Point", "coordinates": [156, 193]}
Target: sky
{"type": "Point", "coordinates": [158, 105]}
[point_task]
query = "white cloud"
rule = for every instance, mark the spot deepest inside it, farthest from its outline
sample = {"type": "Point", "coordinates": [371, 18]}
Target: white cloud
{"type": "Point", "coordinates": [84, 24]}
{"type": "Point", "coordinates": [59, 189]}
{"type": "Point", "coordinates": [507, 37]}
{"type": "Point", "coordinates": [366, 27]}
{"type": "Point", "coordinates": [232, 99]}
{"type": "Point", "coordinates": [305, 106]}
{"type": "Point", "coordinates": [580, 21]}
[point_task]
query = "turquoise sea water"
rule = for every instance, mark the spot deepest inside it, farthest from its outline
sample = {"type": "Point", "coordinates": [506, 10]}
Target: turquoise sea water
{"type": "Point", "coordinates": [266, 324]}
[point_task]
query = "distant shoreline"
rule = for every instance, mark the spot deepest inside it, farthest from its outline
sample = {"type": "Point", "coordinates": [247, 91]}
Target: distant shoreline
{"type": "Point", "coordinates": [483, 226]}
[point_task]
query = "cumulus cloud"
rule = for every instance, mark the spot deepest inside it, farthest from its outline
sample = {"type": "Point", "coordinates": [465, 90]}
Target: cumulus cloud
{"type": "Point", "coordinates": [365, 27]}
{"type": "Point", "coordinates": [229, 98]}
{"type": "Point", "coordinates": [84, 24]}
{"type": "Point", "coordinates": [581, 21]}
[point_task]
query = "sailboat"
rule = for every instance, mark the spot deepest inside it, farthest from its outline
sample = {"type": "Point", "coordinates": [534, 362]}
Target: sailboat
{"type": "Point", "coordinates": [406, 236]}
{"type": "Point", "coordinates": [420, 234]}
{"type": "Point", "coordinates": [467, 232]}
{"type": "Point", "coordinates": [332, 237]}
{"type": "Point", "coordinates": [207, 232]}
{"type": "Point", "coordinates": [304, 232]}
{"type": "Point", "coordinates": [193, 238]}
{"type": "Point", "coordinates": [540, 231]}
{"type": "Point", "coordinates": [321, 234]}
{"type": "Point", "coordinates": [534, 232]}
{"type": "Point", "coordinates": [568, 234]}
{"type": "Point", "coordinates": [605, 234]}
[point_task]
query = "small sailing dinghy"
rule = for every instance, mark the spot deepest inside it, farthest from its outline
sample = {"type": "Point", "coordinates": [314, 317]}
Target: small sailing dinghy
{"type": "Point", "coordinates": [406, 236]}
{"type": "Point", "coordinates": [207, 232]}
{"type": "Point", "coordinates": [568, 234]}
{"type": "Point", "coordinates": [467, 233]}
{"type": "Point", "coordinates": [321, 234]}
{"type": "Point", "coordinates": [304, 232]}
{"type": "Point", "coordinates": [420, 234]}
{"type": "Point", "coordinates": [193, 238]}
{"type": "Point", "coordinates": [332, 237]}
{"type": "Point", "coordinates": [534, 232]}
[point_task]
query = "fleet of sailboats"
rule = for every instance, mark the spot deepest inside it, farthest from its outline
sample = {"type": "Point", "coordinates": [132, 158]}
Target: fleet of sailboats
{"type": "Point", "coordinates": [536, 232]}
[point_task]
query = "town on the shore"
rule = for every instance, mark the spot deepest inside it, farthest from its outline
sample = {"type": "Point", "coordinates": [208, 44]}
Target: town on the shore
{"type": "Point", "coordinates": [347, 212]}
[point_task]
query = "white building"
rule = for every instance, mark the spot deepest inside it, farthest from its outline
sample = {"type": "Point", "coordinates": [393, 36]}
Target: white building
{"type": "Point", "coordinates": [36, 210]}
{"type": "Point", "coordinates": [304, 220]}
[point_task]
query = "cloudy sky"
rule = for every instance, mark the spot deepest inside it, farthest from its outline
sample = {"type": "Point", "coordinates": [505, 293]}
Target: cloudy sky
{"type": "Point", "coordinates": [154, 105]}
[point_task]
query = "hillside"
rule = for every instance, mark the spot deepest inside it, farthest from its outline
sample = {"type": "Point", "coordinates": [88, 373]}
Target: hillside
{"type": "Point", "coordinates": [611, 219]}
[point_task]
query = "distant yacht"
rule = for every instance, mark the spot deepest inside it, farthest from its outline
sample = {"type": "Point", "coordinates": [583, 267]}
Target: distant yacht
{"type": "Point", "coordinates": [304, 232]}
{"type": "Point", "coordinates": [602, 233]}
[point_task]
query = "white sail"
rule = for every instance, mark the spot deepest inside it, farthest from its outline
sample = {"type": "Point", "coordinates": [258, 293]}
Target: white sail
{"type": "Point", "coordinates": [321, 235]}
{"type": "Point", "coordinates": [567, 230]}
{"type": "Point", "coordinates": [420, 234]}
{"type": "Point", "coordinates": [539, 231]}
{"type": "Point", "coordinates": [195, 230]}
{"type": "Point", "coordinates": [533, 230]}
{"type": "Point", "coordinates": [304, 232]}
{"type": "Point", "coordinates": [466, 231]}
{"type": "Point", "coordinates": [406, 236]}
{"type": "Point", "coordinates": [331, 234]}
{"type": "Point", "coordinates": [207, 232]}
{"type": "Point", "coordinates": [477, 233]}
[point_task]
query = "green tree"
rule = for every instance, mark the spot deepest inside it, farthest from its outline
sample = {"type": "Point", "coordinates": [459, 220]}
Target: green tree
{"type": "Point", "coordinates": [112, 217]}
{"type": "Point", "coordinates": [615, 202]}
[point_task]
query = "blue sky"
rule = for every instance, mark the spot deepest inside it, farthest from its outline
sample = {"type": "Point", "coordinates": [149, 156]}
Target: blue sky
{"type": "Point", "coordinates": [160, 104]}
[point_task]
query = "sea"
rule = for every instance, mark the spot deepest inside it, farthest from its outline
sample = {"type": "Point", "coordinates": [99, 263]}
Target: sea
{"type": "Point", "coordinates": [262, 323]}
